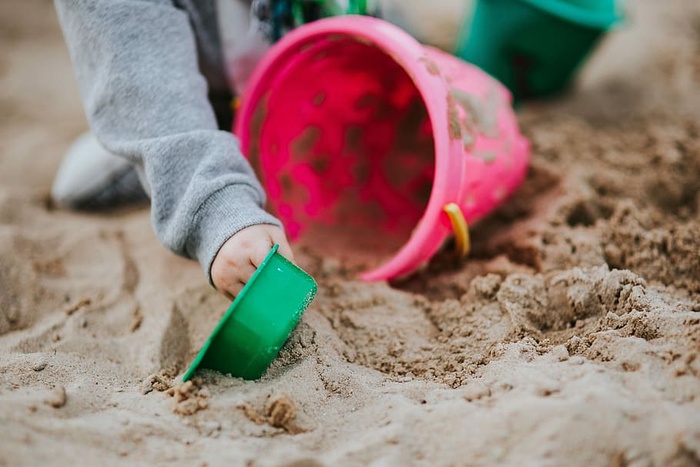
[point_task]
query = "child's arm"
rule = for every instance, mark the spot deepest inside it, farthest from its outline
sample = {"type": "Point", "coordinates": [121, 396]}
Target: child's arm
{"type": "Point", "coordinates": [146, 100]}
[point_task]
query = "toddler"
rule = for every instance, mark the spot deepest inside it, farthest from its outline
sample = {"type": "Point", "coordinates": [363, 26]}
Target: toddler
{"type": "Point", "coordinates": [157, 79]}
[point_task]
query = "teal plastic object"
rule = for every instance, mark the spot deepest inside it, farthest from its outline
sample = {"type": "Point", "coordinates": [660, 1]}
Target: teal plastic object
{"type": "Point", "coordinates": [535, 47]}
{"type": "Point", "coordinates": [259, 321]}
{"type": "Point", "coordinates": [290, 14]}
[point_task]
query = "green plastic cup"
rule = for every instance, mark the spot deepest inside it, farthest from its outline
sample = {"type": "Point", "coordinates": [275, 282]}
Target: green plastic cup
{"type": "Point", "coordinates": [259, 321]}
{"type": "Point", "coordinates": [534, 47]}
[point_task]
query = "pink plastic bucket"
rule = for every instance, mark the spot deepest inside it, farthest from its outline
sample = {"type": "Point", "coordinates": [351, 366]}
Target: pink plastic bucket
{"type": "Point", "coordinates": [350, 122]}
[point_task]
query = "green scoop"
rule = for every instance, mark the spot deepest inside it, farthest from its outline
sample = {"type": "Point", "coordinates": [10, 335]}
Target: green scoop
{"type": "Point", "coordinates": [259, 321]}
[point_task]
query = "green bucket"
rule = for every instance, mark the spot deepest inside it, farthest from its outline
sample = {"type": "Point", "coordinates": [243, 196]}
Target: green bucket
{"type": "Point", "coordinates": [259, 321]}
{"type": "Point", "coordinates": [290, 14]}
{"type": "Point", "coordinates": [534, 47]}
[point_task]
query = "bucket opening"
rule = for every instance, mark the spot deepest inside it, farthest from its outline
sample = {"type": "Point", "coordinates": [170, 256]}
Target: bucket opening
{"type": "Point", "coordinates": [344, 146]}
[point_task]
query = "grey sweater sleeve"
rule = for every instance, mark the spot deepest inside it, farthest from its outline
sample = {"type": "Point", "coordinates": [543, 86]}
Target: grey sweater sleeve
{"type": "Point", "coordinates": [146, 100]}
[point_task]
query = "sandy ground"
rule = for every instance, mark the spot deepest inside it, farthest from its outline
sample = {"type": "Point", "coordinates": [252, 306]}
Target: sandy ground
{"type": "Point", "coordinates": [571, 336]}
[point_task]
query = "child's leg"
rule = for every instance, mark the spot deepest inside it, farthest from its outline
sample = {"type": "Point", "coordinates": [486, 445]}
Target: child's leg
{"type": "Point", "coordinates": [90, 177]}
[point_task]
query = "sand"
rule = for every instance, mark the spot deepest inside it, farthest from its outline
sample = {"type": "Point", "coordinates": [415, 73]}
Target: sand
{"type": "Point", "coordinates": [570, 337]}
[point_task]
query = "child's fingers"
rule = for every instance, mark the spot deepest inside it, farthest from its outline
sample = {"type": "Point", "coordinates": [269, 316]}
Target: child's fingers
{"type": "Point", "coordinates": [231, 270]}
{"type": "Point", "coordinates": [242, 254]}
{"type": "Point", "coordinates": [284, 249]}
{"type": "Point", "coordinates": [233, 279]}
{"type": "Point", "coordinates": [260, 250]}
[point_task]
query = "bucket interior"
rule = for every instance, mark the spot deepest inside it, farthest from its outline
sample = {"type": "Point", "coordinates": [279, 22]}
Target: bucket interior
{"type": "Point", "coordinates": [344, 145]}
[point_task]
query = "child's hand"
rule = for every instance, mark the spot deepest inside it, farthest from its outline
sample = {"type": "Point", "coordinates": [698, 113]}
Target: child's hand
{"type": "Point", "coordinates": [240, 256]}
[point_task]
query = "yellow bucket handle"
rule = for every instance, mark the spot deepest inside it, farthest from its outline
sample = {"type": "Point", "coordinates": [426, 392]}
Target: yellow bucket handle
{"type": "Point", "coordinates": [459, 227]}
{"type": "Point", "coordinates": [236, 103]}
